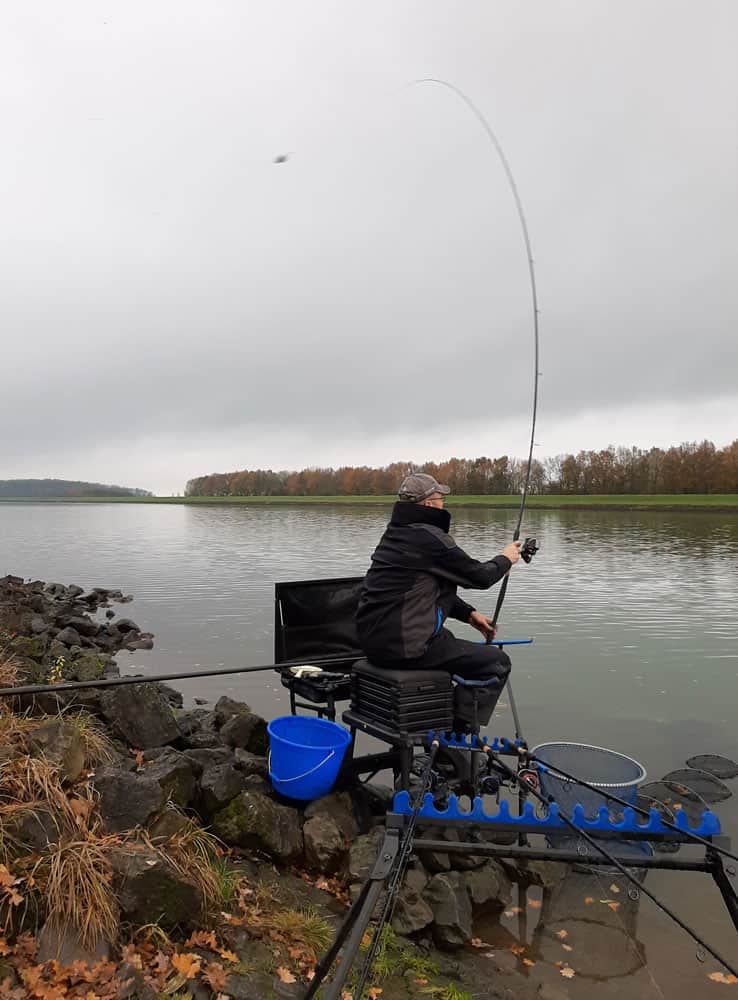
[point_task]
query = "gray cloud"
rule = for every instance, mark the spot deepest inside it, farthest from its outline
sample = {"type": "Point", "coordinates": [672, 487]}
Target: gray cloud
{"type": "Point", "coordinates": [171, 294]}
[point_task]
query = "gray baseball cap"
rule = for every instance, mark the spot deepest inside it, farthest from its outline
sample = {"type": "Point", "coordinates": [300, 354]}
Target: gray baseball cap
{"type": "Point", "coordinates": [419, 486]}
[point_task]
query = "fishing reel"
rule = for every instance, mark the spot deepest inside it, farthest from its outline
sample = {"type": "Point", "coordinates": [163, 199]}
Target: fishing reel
{"type": "Point", "coordinates": [528, 549]}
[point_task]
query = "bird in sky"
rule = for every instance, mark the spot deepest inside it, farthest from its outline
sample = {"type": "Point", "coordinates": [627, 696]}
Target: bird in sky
{"type": "Point", "coordinates": [282, 158]}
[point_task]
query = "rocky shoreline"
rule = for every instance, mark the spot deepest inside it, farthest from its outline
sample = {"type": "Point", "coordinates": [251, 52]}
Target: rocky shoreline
{"type": "Point", "coordinates": [167, 777]}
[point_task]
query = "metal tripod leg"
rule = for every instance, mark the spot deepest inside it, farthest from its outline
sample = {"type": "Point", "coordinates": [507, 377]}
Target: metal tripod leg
{"type": "Point", "coordinates": [356, 922]}
{"type": "Point", "coordinates": [727, 891]}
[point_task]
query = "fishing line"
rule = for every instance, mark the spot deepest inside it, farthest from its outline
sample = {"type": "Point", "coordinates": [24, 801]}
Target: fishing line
{"type": "Point", "coordinates": [531, 273]}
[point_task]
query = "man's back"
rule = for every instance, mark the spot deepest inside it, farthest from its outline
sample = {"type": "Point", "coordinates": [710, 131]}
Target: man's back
{"type": "Point", "coordinates": [410, 588]}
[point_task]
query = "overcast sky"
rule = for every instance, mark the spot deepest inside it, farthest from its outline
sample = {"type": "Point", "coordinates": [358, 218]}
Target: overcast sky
{"type": "Point", "coordinates": [174, 303]}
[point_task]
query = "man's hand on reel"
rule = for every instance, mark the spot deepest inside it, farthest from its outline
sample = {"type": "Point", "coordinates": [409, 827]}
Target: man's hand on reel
{"type": "Point", "coordinates": [512, 551]}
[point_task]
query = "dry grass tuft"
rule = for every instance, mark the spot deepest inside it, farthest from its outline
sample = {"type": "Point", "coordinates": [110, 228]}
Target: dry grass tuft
{"type": "Point", "coordinates": [75, 878]}
{"type": "Point", "coordinates": [193, 854]}
{"type": "Point", "coordinates": [304, 929]}
{"type": "Point", "coordinates": [8, 670]}
{"type": "Point", "coordinates": [34, 782]}
{"type": "Point", "coordinates": [98, 748]}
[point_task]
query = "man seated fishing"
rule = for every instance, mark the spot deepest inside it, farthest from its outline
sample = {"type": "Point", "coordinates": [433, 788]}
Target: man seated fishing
{"type": "Point", "coordinates": [410, 591]}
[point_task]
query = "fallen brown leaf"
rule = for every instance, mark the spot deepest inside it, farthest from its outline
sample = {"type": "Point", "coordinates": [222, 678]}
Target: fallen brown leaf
{"type": "Point", "coordinates": [215, 976]}
{"type": "Point", "coordinates": [588, 900]}
{"type": "Point", "coordinates": [567, 947]}
{"type": "Point", "coordinates": [614, 888]}
{"type": "Point", "coordinates": [186, 965]}
{"type": "Point", "coordinates": [534, 904]}
{"type": "Point", "coordinates": [202, 939]}
{"type": "Point", "coordinates": [567, 972]}
{"type": "Point", "coordinates": [285, 976]}
{"type": "Point", "coordinates": [720, 977]}
{"type": "Point", "coordinates": [528, 961]}
{"type": "Point", "coordinates": [562, 934]}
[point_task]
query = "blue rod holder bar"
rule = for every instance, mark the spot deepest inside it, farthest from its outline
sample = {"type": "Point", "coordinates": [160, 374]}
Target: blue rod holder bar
{"type": "Point", "coordinates": [709, 825]}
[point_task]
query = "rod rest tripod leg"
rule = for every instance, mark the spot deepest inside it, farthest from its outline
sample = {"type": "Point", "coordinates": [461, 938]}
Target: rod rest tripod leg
{"type": "Point", "coordinates": [727, 891]}
{"type": "Point", "coordinates": [356, 921]}
{"type": "Point", "coordinates": [323, 967]}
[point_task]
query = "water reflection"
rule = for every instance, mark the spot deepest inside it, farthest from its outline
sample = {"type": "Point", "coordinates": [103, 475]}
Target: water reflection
{"type": "Point", "coordinates": [589, 921]}
{"type": "Point", "coordinates": [635, 619]}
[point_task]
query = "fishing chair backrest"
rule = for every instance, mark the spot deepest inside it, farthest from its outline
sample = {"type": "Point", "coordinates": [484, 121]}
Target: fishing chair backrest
{"type": "Point", "coordinates": [314, 618]}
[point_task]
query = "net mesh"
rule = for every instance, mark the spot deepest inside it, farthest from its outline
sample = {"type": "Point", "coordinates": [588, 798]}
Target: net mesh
{"type": "Point", "coordinates": [611, 771]}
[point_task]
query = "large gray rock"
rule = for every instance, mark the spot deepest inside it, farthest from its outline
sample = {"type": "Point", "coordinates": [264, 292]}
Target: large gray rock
{"type": "Point", "coordinates": [448, 898]}
{"type": "Point", "coordinates": [339, 807]}
{"type": "Point", "coordinates": [125, 625]}
{"type": "Point", "coordinates": [170, 822]}
{"type": "Point", "coordinates": [61, 742]}
{"type": "Point", "coordinates": [227, 708]}
{"type": "Point", "coordinates": [412, 913]}
{"type": "Point", "coordinates": [63, 945]}
{"type": "Point", "coordinates": [548, 874]}
{"type": "Point", "coordinates": [68, 637]}
{"type": "Point", "coordinates": [89, 666]}
{"type": "Point", "coordinates": [363, 854]}
{"type": "Point", "coordinates": [35, 829]}
{"type": "Point", "coordinates": [218, 786]}
{"type": "Point", "coordinates": [325, 845]}
{"type": "Point", "coordinates": [140, 715]}
{"type": "Point", "coordinates": [32, 648]}
{"type": "Point", "coordinates": [127, 799]}
{"type": "Point", "coordinates": [203, 759]}
{"type": "Point", "coordinates": [489, 887]}
{"type": "Point", "coordinates": [81, 624]}
{"type": "Point", "coordinates": [247, 731]}
{"type": "Point", "coordinates": [150, 891]}
{"type": "Point", "coordinates": [174, 774]}
{"type": "Point", "coordinates": [251, 763]}
{"type": "Point", "coordinates": [254, 820]}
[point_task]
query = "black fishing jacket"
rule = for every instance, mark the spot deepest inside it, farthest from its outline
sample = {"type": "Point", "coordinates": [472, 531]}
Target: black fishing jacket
{"type": "Point", "coordinates": [410, 588]}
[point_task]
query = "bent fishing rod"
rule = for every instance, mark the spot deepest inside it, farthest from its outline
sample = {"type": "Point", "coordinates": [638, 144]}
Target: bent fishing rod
{"type": "Point", "coordinates": [548, 800]}
{"type": "Point", "coordinates": [530, 548]}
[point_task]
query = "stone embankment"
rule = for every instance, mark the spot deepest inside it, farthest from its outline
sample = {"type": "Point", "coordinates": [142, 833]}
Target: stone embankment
{"type": "Point", "coordinates": [163, 772]}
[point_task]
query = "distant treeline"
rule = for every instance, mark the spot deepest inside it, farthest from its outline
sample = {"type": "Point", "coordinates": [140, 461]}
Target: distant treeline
{"type": "Point", "coordinates": [688, 468]}
{"type": "Point", "coordinates": [30, 488]}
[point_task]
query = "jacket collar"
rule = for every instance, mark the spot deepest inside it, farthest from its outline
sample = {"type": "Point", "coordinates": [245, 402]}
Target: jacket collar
{"type": "Point", "coordinates": [415, 513]}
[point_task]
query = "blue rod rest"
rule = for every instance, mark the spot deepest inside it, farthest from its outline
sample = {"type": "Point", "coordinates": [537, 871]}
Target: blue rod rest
{"type": "Point", "coordinates": [465, 741]}
{"type": "Point", "coordinates": [709, 825]}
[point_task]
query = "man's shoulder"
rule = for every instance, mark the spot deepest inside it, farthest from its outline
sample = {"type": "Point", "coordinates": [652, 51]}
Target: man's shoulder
{"type": "Point", "coordinates": [437, 535]}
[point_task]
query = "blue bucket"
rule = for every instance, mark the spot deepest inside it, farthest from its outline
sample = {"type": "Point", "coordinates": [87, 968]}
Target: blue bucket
{"type": "Point", "coordinates": [305, 755]}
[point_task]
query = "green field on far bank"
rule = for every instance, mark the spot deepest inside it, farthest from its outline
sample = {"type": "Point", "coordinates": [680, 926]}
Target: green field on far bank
{"type": "Point", "coordinates": [727, 502]}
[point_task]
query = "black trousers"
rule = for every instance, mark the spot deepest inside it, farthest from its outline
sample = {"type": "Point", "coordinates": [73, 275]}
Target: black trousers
{"type": "Point", "coordinates": [471, 660]}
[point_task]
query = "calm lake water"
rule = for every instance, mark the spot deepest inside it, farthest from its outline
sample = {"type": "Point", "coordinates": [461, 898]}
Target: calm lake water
{"type": "Point", "coordinates": [634, 615]}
